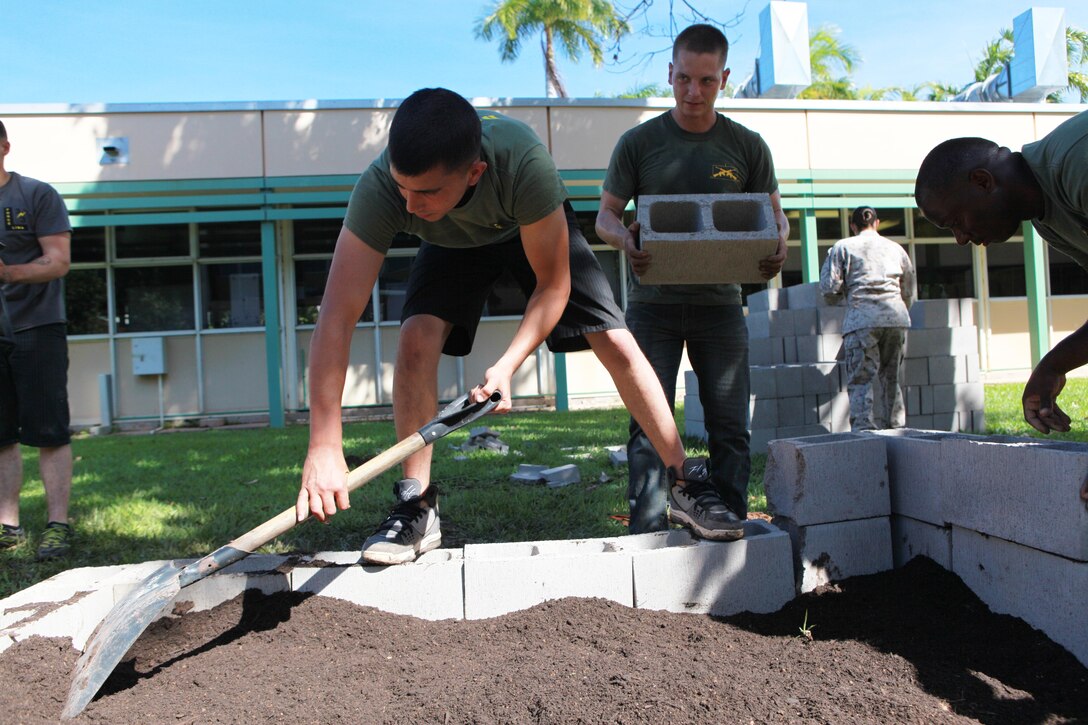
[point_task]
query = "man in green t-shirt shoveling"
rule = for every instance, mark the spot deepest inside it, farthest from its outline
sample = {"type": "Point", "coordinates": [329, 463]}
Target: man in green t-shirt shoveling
{"type": "Point", "coordinates": [484, 195]}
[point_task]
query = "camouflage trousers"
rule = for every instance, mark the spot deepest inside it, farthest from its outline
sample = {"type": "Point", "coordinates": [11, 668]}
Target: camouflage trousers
{"type": "Point", "coordinates": [875, 353]}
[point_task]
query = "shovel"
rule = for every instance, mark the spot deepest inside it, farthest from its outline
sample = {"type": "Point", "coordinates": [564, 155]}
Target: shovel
{"type": "Point", "coordinates": [130, 617]}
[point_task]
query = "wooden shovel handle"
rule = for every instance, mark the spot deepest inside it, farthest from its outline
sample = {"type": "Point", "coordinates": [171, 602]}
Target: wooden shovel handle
{"type": "Point", "coordinates": [285, 521]}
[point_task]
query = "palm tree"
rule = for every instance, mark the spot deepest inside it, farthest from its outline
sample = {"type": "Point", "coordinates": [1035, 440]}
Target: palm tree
{"type": "Point", "coordinates": [827, 55]}
{"type": "Point", "coordinates": [576, 25]}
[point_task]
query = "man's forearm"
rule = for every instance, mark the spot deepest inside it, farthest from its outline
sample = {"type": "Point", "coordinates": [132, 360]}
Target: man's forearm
{"type": "Point", "coordinates": [542, 314]}
{"type": "Point", "coordinates": [610, 228]}
{"type": "Point", "coordinates": [1069, 354]}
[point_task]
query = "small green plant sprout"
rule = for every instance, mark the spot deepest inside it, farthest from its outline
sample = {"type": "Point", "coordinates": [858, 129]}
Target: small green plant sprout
{"type": "Point", "coordinates": [806, 628]}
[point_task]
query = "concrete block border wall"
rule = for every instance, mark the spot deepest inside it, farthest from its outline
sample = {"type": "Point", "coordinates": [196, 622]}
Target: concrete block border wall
{"type": "Point", "coordinates": [798, 381]}
{"type": "Point", "coordinates": [1003, 513]}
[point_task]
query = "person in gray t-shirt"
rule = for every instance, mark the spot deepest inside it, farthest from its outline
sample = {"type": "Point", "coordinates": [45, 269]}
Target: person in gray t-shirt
{"type": "Point", "coordinates": [35, 252]}
{"type": "Point", "coordinates": [877, 278]}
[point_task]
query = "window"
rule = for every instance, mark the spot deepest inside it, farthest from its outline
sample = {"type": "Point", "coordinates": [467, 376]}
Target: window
{"type": "Point", "coordinates": [167, 240]}
{"type": "Point", "coordinates": [231, 295]}
{"type": "Point", "coordinates": [316, 236]}
{"type": "Point", "coordinates": [154, 298]}
{"type": "Point", "coordinates": [86, 302]}
{"type": "Point", "coordinates": [943, 271]}
{"type": "Point", "coordinates": [393, 287]}
{"type": "Point", "coordinates": [310, 278]}
{"type": "Point", "coordinates": [1005, 269]}
{"type": "Point", "coordinates": [235, 239]}
{"type": "Point", "coordinates": [1066, 276]}
{"type": "Point", "coordinates": [88, 245]}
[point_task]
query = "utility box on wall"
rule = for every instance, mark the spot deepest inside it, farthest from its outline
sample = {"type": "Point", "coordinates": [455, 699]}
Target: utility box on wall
{"type": "Point", "coordinates": [148, 356]}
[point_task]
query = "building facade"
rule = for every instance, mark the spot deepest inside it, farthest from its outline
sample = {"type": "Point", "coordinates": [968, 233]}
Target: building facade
{"type": "Point", "coordinates": [204, 233]}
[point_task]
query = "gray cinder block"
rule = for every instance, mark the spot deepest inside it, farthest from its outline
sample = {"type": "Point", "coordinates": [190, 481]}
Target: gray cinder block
{"type": "Point", "coordinates": [762, 381]}
{"type": "Point", "coordinates": [502, 578]}
{"type": "Point", "coordinates": [706, 238]}
{"type": "Point", "coordinates": [915, 474]}
{"type": "Point", "coordinates": [1026, 492]}
{"type": "Point", "coordinates": [561, 475]}
{"type": "Point", "coordinates": [691, 382]}
{"type": "Point", "coordinates": [942, 341]}
{"type": "Point", "coordinates": [693, 408]}
{"type": "Point", "coordinates": [760, 438]}
{"type": "Point", "coordinates": [791, 411]}
{"type": "Point", "coordinates": [765, 351]}
{"type": "Point", "coordinates": [781, 322]}
{"type": "Point", "coordinates": [754, 574]}
{"type": "Point", "coordinates": [789, 350]}
{"type": "Point", "coordinates": [916, 371]}
{"type": "Point", "coordinates": [805, 295]}
{"type": "Point", "coordinates": [820, 378]}
{"type": "Point", "coordinates": [1046, 591]}
{"type": "Point", "coordinates": [771, 298]}
{"type": "Point", "coordinates": [805, 321]}
{"type": "Point", "coordinates": [831, 552]}
{"type": "Point", "coordinates": [695, 429]}
{"type": "Point", "coordinates": [837, 477]}
{"type": "Point", "coordinates": [935, 313]}
{"type": "Point", "coordinates": [829, 320]}
{"type": "Point", "coordinates": [819, 348]}
{"type": "Point", "coordinates": [759, 325]}
{"type": "Point", "coordinates": [911, 538]}
{"type": "Point", "coordinates": [763, 412]}
{"type": "Point", "coordinates": [788, 381]}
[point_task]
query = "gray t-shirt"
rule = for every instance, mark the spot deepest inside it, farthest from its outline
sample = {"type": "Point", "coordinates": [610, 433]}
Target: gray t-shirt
{"type": "Point", "coordinates": [32, 209]}
{"type": "Point", "coordinates": [1060, 163]}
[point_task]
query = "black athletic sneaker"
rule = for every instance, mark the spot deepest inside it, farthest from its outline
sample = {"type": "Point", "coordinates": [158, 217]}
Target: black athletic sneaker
{"type": "Point", "coordinates": [411, 528]}
{"type": "Point", "coordinates": [11, 536]}
{"type": "Point", "coordinates": [694, 502]}
{"type": "Point", "coordinates": [56, 540]}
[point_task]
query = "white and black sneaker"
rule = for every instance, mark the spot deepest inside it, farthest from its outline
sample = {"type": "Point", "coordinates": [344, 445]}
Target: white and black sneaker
{"type": "Point", "coordinates": [695, 503]}
{"type": "Point", "coordinates": [411, 528]}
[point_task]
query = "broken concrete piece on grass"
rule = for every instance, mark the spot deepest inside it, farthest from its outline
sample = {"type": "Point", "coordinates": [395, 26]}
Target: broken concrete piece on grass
{"type": "Point", "coordinates": [529, 473]}
{"type": "Point", "coordinates": [617, 455]}
{"type": "Point", "coordinates": [561, 475]}
{"type": "Point", "coordinates": [483, 438]}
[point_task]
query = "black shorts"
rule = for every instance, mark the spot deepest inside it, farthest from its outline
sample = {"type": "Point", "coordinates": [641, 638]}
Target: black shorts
{"type": "Point", "coordinates": [453, 285]}
{"type": "Point", "coordinates": [34, 389]}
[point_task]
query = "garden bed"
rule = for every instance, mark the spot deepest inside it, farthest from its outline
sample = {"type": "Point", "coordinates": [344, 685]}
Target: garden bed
{"type": "Point", "coordinates": [910, 645]}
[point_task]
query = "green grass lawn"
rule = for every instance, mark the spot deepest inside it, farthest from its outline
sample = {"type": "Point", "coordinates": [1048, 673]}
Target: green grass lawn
{"type": "Point", "coordinates": [184, 494]}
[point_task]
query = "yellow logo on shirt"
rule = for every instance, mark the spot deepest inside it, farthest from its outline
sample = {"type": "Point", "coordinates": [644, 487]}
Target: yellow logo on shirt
{"type": "Point", "coordinates": [724, 172]}
{"type": "Point", "coordinates": [15, 220]}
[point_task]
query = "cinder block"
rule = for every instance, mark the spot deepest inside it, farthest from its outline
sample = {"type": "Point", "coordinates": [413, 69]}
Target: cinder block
{"type": "Point", "coordinates": [947, 370]}
{"type": "Point", "coordinates": [502, 578]}
{"type": "Point", "coordinates": [967, 311]}
{"type": "Point", "coordinates": [805, 295]}
{"type": "Point", "coordinates": [693, 408]}
{"type": "Point", "coordinates": [763, 412]}
{"type": "Point", "coordinates": [754, 574]}
{"type": "Point", "coordinates": [911, 538]}
{"type": "Point", "coordinates": [940, 342]}
{"type": "Point", "coordinates": [978, 421]}
{"type": "Point", "coordinates": [925, 396]}
{"type": "Point", "coordinates": [835, 412]}
{"type": "Point", "coordinates": [974, 375]}
{"type": "Point", "coordinates": [820, 378]}
{"type": "Point", "coordinates": [781, 323]}
{"type": "Point", "coordinates": [764, 351]}
{"type": "Point", "coordinates": [790, 356]}
{"type": "Point", "coordinates": [694, 429]}
{"type": "Point", "coordinates": [916, 371]}
{"type": "Point", "coordinates": [1046, 591]}
{"type": "Point", "coordinates": [691, 382]}
{"type": "Point", "coordinates": [805, 321]}
{"type": "Point", "coordinates": [1025, 492]}
{"type": "Point", "coordinates": [428, 588]}
{"type": "Point", "coordinates": [210, 592]}
{"type": "Point", "coordinates": [762, 381]}
{"type": "Point", "coordinates": [819, 348]}
{"type": "Point", "coordinates": [912, 399]}
{"type": "Point", "coordinates": [759, 325]}
{"type": "Point", "coordinates": [949, 421]}
{"type": "Point", "coordinates": [727, 233]}
{"type": "Point", "coordinates": [771, 298]}
{"type": "Point", "coordinates": [760, 438]}
{"type": "Point", "coordinates": [803, 431]}
{"type": "Point", "coordinates": [832, 552]}
{"type": "Point", "coordinates": [829, 320]}
{"type": "Point", "coordinates": [935, 313]}
{"type": "Point", "coordinates": [920, 422]}
{"type": "Point", "coordinates": [561, 475]}
{"type": "Point", "coordinates": [791, 411]}
{"type": "Point", "coordinates": [788, 381]}
{"type": "Point", "coordinates": [916, 476]}
{"type": "Point", "coordinates": [838, 477]}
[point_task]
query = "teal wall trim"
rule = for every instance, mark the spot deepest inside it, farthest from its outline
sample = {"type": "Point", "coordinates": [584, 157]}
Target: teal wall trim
{"type": "Point", "coordinates": [1035, 274]}
{"type": "Point", "coordinates": [810, 255]}
{"type": "Point", "coordinates": [272, 332]}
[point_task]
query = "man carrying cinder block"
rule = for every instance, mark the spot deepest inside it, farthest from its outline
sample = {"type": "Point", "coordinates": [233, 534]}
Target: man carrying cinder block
{"type": "Point", "coordinates": [691, 149]}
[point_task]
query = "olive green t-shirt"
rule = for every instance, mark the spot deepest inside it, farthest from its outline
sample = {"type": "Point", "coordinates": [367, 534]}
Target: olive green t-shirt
{"type": "Point", "coordinates": [520, 186]}
{"type": "Point", "coordinates": [659, 157]}
{"type": "Point", "coordinates": [1059, 162]}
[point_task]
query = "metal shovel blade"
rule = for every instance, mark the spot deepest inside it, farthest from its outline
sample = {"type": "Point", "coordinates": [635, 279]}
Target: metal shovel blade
{"type": "Point", "coordinates": [131, 616]}
{"type": "Point", "coordinates": [117, 632]}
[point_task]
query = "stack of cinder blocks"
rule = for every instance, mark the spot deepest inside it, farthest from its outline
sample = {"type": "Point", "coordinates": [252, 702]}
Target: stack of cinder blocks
{"type": "Point", "coordinates": [1003, 513]}
{"type": "Point", "coordinates": [799, 382]}
{"type": "Point", "coordinates": [942, 387]}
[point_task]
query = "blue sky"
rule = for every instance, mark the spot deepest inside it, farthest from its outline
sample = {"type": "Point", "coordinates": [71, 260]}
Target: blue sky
{"type": "Point", "coordinates": [147, 51]}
